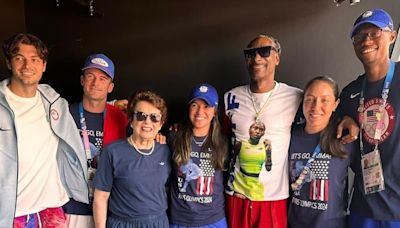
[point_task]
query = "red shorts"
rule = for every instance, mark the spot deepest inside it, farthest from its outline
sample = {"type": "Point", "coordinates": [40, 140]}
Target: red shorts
{"type": "Point", "coordinates": [47, 218]}
{"type": "Point", "coordinates": [244, 213]}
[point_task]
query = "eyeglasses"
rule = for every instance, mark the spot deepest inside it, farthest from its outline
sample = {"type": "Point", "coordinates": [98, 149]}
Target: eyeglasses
{"type": "Point", "coordinates": [374, 34]}
{"type": "Point", "coordinates": [262, 51]}
{"type": "Point", "coordinates": [141, 116]}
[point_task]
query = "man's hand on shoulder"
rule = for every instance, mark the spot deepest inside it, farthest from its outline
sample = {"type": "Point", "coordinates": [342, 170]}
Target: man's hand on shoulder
{"type": "Point", "coordinates": [349, 124]}
{"type": "Point", "coordinates": [121, 104]}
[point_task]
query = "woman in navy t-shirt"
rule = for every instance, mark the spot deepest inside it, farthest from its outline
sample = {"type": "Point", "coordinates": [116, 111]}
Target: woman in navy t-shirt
{"type": "Point", "coordinates": [133, 173]}
{"type": "Point", "coordinates": [318, 162]}
{"type": "Point", "coordinates": [199, 151]}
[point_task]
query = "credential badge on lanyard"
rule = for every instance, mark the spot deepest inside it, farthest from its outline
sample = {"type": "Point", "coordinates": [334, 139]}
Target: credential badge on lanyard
{"type": "Point", "coordinates": [371, 164]}
{"type": "Point", "coordinates": [86, 145]}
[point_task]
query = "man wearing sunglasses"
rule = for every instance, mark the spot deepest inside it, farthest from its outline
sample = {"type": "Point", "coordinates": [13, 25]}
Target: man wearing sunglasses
{"type": "Point", "coordinates": [374, 100]}
{"type": "Point", "coordinates": [99, 124]}
{"type": "Point", "coordinates": [260, 202]}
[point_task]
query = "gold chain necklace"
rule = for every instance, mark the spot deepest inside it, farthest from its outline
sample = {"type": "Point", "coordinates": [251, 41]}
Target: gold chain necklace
{"type": "Point", "coordinates": [258, 112]}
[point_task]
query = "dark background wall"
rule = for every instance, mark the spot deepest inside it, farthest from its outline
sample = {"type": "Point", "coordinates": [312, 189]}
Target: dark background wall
{"type": "Point", "coordinates": [169, 46]}
{"type": "Point", "coordinates": [12, 20]}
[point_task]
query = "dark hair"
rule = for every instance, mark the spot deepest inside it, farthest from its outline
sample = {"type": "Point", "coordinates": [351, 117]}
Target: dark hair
{"type": "Point", "coordinates": [328, 141]}
{"type": "Point", "coordinates": [151, 97]}
{"type": "Point", "coordinates": [216, 141]}
{"type": "Point", "coordinates": [11, 45]}
{"type": "Point", "coordinates": [257, 124]}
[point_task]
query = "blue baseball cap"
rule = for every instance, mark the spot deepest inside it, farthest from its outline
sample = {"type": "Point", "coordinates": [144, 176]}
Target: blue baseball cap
{"type": "Point", "coordinates": [378, 17]}
{"type": "Point", "coordinates": [205, 92]}
{"type": "Point", "coordinates": [101, 62]}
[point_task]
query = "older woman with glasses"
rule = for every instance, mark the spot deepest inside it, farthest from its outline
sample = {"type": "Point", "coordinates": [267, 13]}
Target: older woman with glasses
{"type": "Point", "coordinates": [132, 175]}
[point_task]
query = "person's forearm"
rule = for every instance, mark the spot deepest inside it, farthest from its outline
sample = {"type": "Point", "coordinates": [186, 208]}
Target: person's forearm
{"type": "Point", "coordinates": [100, 212]}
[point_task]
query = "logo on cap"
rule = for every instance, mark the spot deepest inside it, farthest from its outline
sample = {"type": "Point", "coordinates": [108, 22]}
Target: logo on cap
{"type": "Point", "coordinates": [205, 92]}
{"type": "Point", "coordinates": [377, 17]}
{"type": "Point", "coordinates": [367, 14]}
{"type": "Point", "coordinates": [203, 89]}
{"type": "Point", "coordinates": [99, 61]}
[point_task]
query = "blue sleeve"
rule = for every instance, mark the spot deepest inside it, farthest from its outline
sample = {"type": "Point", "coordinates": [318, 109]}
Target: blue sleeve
{"type": "Point", "coordinates": [299, 117]}
{"type": "Point", "coordinates": [351, 150]}
{"type": "Point", "coordinates": [104, 177]}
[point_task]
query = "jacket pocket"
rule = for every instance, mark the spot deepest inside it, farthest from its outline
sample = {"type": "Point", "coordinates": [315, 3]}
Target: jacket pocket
{"type": "Point", "coordinates": [5, 126]}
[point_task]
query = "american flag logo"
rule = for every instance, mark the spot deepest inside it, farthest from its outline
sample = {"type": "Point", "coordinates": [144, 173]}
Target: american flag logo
{"type": "Point", "coordinates": [319, 186]}
{"type": "Point", "coordinates": [388, 116]}
{"type": "Point", "coordinates": [371, 115]}
{"type": "Point", "coordinates": [319, 190]}
{"type": "Point", "coordinates": [205, 183]}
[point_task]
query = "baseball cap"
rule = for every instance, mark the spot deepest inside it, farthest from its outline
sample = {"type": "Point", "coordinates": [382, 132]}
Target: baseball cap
{"type": "Point", "coordinates": [378, 17]}
{"type": "Point", "coordinates": [205, 92]}
{"type": "Point", "coordinates": [101, 62]}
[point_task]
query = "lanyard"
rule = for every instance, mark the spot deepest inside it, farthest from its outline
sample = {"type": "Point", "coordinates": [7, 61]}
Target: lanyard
{"type": "Point", "coordinates": [298, 184]}
{"type": "Point", "coordinates": [85, 134]}
{"type": "Point", "coordinates": [379, 113]}
{"type": "Point", "coordinates": [317, 150]}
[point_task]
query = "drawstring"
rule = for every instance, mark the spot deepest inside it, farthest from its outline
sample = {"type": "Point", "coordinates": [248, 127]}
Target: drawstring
{"type": "Point", "coordinates": [39, 219]}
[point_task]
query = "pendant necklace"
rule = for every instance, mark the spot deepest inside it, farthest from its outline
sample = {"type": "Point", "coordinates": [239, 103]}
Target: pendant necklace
{"type": "Point", "coordinates": [130, 141]}
{"type": "Point", "coordinates": [259, 111]}
{"type": "Point", "coordinates": [199, 143]}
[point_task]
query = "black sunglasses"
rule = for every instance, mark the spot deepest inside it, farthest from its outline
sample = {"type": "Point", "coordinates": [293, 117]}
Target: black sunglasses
{"type": "Point", "coordinates": [142, 116]}
{"type": "Point", "coordinates": [262, 51]}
